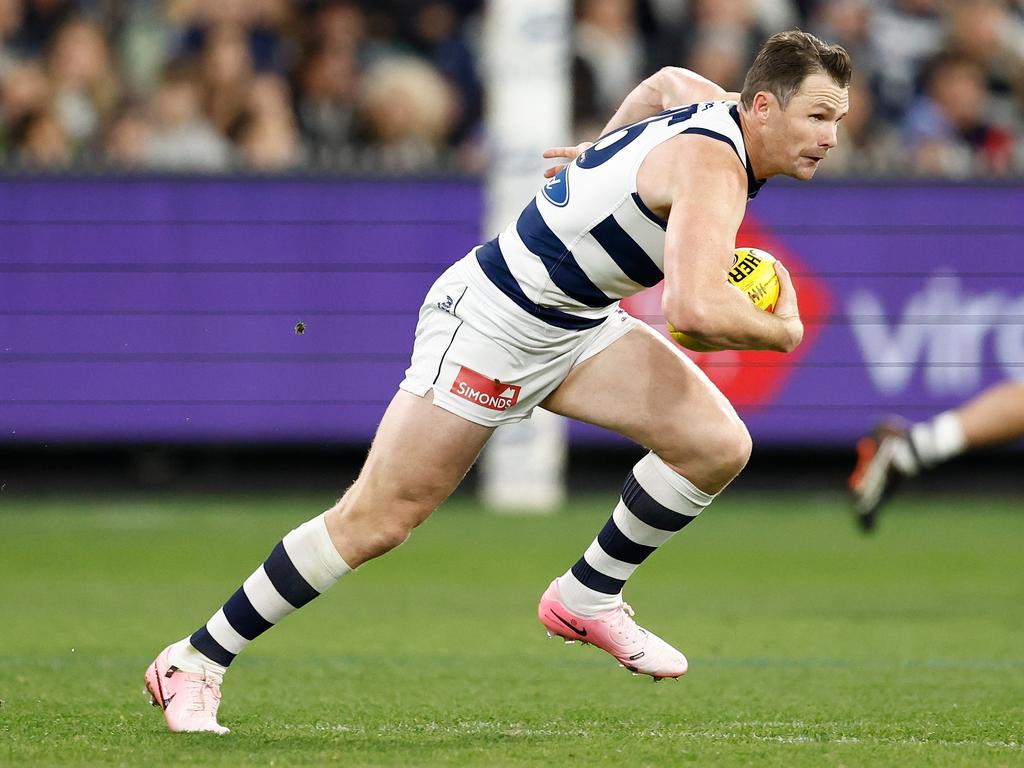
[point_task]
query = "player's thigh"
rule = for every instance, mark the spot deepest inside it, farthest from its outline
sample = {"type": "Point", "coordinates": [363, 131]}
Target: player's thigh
{"type": "Point", "coordinates": [418, 457]}
{"type": "Point", "coordinates": [646, 389]}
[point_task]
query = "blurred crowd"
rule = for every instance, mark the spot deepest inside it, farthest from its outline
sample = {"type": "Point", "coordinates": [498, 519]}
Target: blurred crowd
{"type": "Point", "coordinates": [257, 85]}
{"type": "Point", "coordinates": [394, 85]}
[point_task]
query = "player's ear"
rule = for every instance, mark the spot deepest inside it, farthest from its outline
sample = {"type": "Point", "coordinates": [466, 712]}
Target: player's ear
{"type": "Point", "coordinates": [762, 105]}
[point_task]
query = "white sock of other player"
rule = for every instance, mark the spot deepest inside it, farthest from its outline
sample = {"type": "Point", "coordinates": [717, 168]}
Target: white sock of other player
{"type": "Point", "coordinates": [938, 440]}
{"type": "Point", "coordinates": [656, 503]}
{"type": "Point", "coordinates": [302, 566]}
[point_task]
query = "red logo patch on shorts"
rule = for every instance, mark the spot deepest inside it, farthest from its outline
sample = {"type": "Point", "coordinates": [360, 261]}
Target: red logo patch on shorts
{"type": "Point", "coordinates": [490, 393]}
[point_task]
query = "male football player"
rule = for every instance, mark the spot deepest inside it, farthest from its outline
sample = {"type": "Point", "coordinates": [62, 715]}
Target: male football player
{"type": "Point", "coordinates": [531, 319]}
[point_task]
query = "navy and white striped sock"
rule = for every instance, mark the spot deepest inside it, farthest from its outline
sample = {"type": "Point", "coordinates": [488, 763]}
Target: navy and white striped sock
{"type": "Point", "coordinates": [302, 566]}
{"type": "Point", "coordinates": [656, 502]}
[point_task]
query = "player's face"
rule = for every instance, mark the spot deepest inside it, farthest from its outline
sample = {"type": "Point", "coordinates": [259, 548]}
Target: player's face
{"type": "Point", "coordinates": [805, 130]}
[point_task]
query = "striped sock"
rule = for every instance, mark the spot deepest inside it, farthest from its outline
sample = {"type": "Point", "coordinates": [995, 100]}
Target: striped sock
{"type": "Point", "coordinates": [656, 503]}
{"type": "Point", "coordinates": [302, 566]}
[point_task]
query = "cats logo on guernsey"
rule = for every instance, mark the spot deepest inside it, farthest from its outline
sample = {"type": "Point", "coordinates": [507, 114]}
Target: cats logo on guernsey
{"type": "Point", "coordinates": [490, 393]}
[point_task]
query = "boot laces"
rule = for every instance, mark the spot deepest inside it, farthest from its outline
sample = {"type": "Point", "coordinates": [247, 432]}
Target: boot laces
{"type": "Point", "coordinates": [205, 692]}
{"type": "Point", "coordinates": [626, 627]}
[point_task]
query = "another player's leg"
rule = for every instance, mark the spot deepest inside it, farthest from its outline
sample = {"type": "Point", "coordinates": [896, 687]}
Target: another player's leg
{"type": "Point", "coordinates": [698, 445]}
{"type": "Point", "coordinates": [884, 457]}
{"type": "Point", "coordinates": [418, 457]}
{"type": "Point", "coordinates": [896, 449]}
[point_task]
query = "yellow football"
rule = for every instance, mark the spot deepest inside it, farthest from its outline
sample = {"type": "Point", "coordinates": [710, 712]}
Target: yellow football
{"type": "Point", "coordinates": [753, 272]}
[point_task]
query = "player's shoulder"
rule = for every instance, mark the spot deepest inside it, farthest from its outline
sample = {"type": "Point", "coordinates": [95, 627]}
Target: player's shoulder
{"type": "Point", "coordinates": [719, 119]}
{"type": "Point", "coordinates": [690, 165]}
{"type": "Point", "coordinates": [711, 137]}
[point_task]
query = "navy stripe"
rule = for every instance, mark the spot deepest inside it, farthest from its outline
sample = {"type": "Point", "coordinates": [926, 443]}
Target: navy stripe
{"type": "Point", "coordinates": [286, 578]}
{"type": "Point", "coordinates": [649, 511]}
{"type": "Point", "coordinates": [713, 135]}
{"type": "Point", "coordinates": [627, 253]}
{"type": "Point", "coordinates": [565, 271]}
{"type": "Point", "coordinates": [203, 642]}
{"type": "Point", "coordinates": [648, 212]}
{"type": "Point", "coordinates": [618, 545]}
{"type": "Point", "coordinates": [492, 262]}
{"type": "Point", "coordinates": [243, 617]}
{"type": "Point", "coordinates": [595, 580]}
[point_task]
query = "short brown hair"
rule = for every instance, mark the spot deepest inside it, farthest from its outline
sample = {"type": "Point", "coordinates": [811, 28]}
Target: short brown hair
{"type": "Point", "coordinates": [789, 57]}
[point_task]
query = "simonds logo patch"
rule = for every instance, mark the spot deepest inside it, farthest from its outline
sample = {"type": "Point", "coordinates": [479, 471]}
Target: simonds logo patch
{"type": "Point", "coordinates": [490, 393]}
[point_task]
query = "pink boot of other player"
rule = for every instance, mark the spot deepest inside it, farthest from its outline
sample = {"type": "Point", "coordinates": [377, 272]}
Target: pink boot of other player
{"type": "Point", "coordinates": [614, 631]}
{"type": "Point", "coordinates": [189, 700]}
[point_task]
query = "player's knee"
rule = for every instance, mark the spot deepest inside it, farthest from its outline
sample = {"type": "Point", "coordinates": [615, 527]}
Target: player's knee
{"type": "Point", "coordinates": [733, 448]}
{"type": "Point", "coordinates": [389, 534]}
{"type": "Point", "coordinates": [745, 445]}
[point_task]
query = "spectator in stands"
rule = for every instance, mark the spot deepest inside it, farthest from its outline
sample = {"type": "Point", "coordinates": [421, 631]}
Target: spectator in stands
{"type": "Point", "coordinates": [227, 72]}
{"type": "Point", "coordinates": [267, 136]}
{"type": "Point", "coordinates": [82, 74]}
{"type": "Point", "coordinates": [12, 15]}
{"type": "Point", "coordinates": [340, 24]}
{"type": "Point", "coordinates": [849, 23]}
{"type": "Point", "coordinates": [983, 31]}
{"type": "Point", "coordinates": [182, 138]}
{"type": "Point", "coordinates": [438, 36]}
{"type": "Point", "coordinates": [610, 51]}
{"type": "Point", "coordinates": [268, 144]}
{"type": "Point", "coordinates": [40, 142]}
{"type": "Point", "coordinates": [127, 139]}
{"type": "Point", "coordinates": [25, 89]}
{"type": "Point", "coordinates": [948, 130]}
{"type": "Point", "coordinates": [905, 34]}
{"type": "Point", "coordinates": [42, 19]}
{"type": "Point", "coordinates": [407, 111]}
{"type": "Point", "coordinates": [718, 54]}
{"type": "Point", "coordinates": [327, 82]}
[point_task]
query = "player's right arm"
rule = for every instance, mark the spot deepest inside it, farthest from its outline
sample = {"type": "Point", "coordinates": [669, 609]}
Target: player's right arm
{"type": "Point", "coordinates": [668, 87]}
{"type": "Point", "coordinates": [706, 187]}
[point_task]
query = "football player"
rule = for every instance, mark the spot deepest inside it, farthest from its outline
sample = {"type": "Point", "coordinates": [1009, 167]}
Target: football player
{"type": "Point", "coordinates": [531, 319]}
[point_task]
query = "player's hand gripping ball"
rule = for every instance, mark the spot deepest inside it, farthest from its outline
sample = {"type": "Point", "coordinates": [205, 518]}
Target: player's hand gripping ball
{"type": "Point", "coordinates": [753, 272]}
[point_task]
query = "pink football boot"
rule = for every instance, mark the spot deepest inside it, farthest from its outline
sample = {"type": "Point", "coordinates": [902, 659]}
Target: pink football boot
{"type": "Point", "coordinates": [614, 631]}
{"type": "Point", "coordinates": [189, 700]}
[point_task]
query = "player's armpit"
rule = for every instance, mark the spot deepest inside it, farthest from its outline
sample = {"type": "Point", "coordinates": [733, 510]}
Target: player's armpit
{"type": "Point", "coordinates": [707, 189]}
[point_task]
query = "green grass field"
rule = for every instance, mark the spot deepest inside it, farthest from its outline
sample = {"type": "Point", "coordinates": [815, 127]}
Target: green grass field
{"type": "Point", "coordinates": [809, 644]}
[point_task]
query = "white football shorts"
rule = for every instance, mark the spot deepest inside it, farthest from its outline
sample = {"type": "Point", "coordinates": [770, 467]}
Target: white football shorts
{"type": "Point", "coordinates": [486, 359]}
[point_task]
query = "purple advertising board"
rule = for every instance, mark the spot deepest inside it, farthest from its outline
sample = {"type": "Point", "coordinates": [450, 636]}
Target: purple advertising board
{"type": "Point", "coordinates": [147, 310]}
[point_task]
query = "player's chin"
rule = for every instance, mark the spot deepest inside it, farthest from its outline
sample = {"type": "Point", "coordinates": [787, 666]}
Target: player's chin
{"type": "Point", "coordinates": [806, 168]}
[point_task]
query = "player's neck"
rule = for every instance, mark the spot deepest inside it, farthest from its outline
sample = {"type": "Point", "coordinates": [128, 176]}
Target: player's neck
{"type": "Point", "coordinates": [754, 145]}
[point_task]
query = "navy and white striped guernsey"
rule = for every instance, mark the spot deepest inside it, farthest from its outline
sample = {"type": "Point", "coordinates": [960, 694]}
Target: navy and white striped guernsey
{"type": "Point", "coordinates": [587, 239]}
